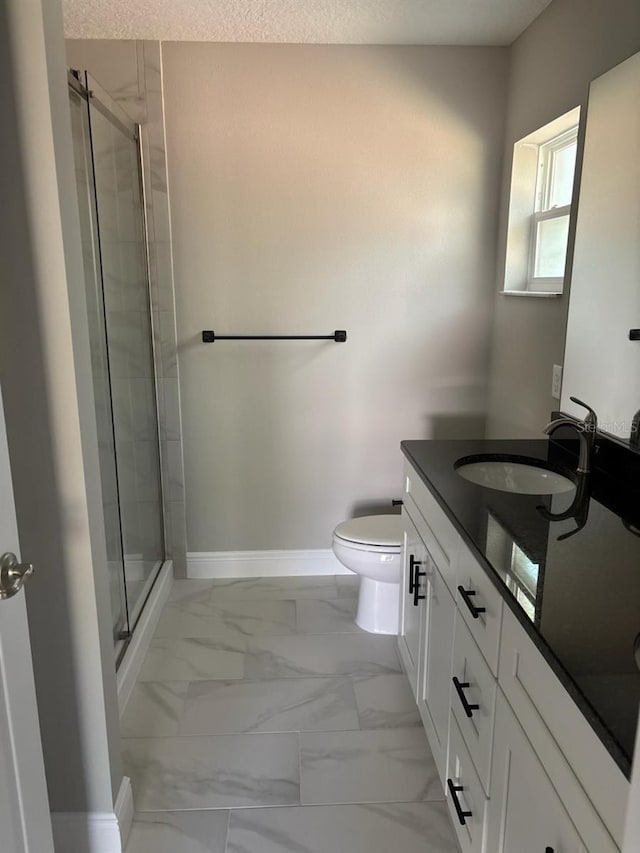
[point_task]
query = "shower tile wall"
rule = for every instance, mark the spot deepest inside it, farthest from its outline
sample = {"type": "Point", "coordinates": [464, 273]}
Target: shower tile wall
{"type": "Point", "coordinates": [131, 72]}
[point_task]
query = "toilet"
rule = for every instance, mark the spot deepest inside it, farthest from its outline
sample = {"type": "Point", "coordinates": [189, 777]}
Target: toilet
{"type": "Point", "coordinates": [372, 548]}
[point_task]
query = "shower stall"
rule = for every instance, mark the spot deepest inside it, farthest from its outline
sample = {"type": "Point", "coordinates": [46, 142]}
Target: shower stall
{"type": "Point", "coordinates": [109, 176]}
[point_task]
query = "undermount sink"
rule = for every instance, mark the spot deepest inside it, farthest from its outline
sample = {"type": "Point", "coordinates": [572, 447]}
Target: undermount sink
{"type": "Point", "coordinates": [513, 475]}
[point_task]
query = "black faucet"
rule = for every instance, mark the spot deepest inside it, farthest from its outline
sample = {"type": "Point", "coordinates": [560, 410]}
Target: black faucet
{"type": "Point", "coordinates": [586, 430]}
{"type": "Point", "coordinates": [578, 511]}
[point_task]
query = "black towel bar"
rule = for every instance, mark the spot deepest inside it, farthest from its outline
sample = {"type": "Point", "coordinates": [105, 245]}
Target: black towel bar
{"type": "Point", "coordinates": [210, 337]}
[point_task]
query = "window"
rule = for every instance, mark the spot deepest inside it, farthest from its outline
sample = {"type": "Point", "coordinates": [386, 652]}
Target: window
{"type": "Point", "coordinates": [539, 208]}
{"type": "Point", "coordinates": [550, 221]}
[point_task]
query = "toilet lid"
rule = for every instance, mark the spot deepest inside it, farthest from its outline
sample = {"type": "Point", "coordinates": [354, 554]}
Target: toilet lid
{"type": "Point", "coordinates": [385, 530]}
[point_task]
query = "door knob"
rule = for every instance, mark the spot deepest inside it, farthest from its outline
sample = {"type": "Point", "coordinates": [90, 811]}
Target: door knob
{"type": "Point", "coordinates": [12, 575]}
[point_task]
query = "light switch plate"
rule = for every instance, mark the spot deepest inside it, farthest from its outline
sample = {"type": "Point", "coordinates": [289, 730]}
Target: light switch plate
{"type": "Point", "coordinates": [556, 382]}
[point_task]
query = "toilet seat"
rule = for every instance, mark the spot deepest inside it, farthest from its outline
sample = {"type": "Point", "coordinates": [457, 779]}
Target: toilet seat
{"type": "Point", "coordinates": [370, 549]}
{"type": "Point", "coordinates": [382, 534]}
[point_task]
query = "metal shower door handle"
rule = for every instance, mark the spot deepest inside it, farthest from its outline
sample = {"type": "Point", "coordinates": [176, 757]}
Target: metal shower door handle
{"type": "Point", "coordinates": [12, 575]}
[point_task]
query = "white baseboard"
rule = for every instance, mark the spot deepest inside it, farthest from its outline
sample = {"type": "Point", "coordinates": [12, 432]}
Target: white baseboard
{"type": "Point", "coordinates": [130, 664]}
{"type": "Point", "coordinates": [95, 832]}
{"type": "Point", "coordinates": [124, 810]}
{"type": "Point", "coordinates": [265, 564]}
{"type": "Point", "coordinates": [89, 832]}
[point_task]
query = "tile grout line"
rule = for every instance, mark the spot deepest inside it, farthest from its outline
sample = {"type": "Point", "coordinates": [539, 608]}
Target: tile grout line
{"type": "Point", "coordinates": [226, 839]}
{"type": "Point", "coordinates": [279, 733]}
{"type": "Point", "coordinates": [283, 806]}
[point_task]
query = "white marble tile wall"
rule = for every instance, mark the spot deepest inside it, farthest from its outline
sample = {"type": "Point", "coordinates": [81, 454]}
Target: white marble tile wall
{"type": "Point", "coordinates": [266, 721]}
{"type": "Point", "coordinates": [163, 303]}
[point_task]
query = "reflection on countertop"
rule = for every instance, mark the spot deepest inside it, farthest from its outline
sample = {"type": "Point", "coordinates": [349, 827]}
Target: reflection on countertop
{"type": "Point", "coordinates": [569, 568]}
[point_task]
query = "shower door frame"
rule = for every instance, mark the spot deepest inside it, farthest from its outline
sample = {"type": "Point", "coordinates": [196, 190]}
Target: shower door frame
{"type": "Point", "coordinates": [94, 95]}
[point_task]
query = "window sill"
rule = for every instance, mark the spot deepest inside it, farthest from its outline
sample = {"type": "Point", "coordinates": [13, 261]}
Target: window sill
{"type": "Point", "coordinates": [544, 294]}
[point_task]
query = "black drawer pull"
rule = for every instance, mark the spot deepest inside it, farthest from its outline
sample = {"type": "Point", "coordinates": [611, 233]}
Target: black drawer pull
{"type": "Point", "coordinates": [461, 686]}
{"type": "Point", "coordinates": [548, 850]}
{"type": "Point", "coordinates": [417, 595]}
{"type": "Point", "coordinates": [466, 597]}
{"type": "Point", "coordinates": [412, 571]}
{"type": "Point", "coordinates": [453, 791]}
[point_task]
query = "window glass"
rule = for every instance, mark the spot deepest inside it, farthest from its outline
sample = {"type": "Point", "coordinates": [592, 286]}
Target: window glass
{"type": "Point", "coordinates": [551, 247]}
{"type": "Point", "coordinates": [563, 163]}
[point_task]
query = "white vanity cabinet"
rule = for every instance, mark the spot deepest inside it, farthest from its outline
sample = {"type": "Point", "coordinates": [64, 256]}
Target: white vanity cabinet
{"type": "Point", "coordinates": [585, 777]}
{"type": "Point", "coordinates": [524, 813]}
{"type": "Point", "coordinates": [411, 601]}
{"type": "Point", "coordinates": [427, 600]}
{"type": "Point", "coordinates": [521, 768]}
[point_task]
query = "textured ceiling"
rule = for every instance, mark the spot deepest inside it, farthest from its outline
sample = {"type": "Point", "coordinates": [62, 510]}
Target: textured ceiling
{"type": "Point", "coordinates": [482, 22]}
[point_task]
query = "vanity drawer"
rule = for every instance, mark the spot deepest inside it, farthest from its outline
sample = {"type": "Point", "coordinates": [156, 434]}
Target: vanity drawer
{"type": "Point", "coordinates": [465, 795]}
{"type": "Point", "coordinates": [580, 768]}
{"type": "Point", "coordinates": [481, 606]}
{"type": "Point", "coordinates": [473, 700]}
{"type": "Point", "coordinates": [438, 533]}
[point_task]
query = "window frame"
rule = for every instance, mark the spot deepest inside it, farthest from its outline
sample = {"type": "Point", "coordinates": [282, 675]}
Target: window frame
{"type": "Point", "coordinates": [543, 211]}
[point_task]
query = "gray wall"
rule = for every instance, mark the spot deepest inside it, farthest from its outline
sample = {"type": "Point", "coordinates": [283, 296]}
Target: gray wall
{"type": "Point", "coordinates": [131, 71]}
{"type": "Point", "coordinates": [46, 383]}
{"type": "Point", "coordinates": [315, 188]}
{"type": "Point", "coordinates": [551, 66]}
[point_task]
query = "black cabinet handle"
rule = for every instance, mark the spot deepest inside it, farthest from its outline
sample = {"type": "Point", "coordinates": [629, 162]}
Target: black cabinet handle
{"type": "Point", "coordinates": [453, 791]}
{"type": "Point", "coordinates": [412, 572]}
{"type": "Point", "coordinates": [417, 595]}
{"type": "Point", "coordinates": [466, 597]}
{"type": "Point", "coordinates": [461, 686]}
{"type": "Point", "coordinates": [548, 850]}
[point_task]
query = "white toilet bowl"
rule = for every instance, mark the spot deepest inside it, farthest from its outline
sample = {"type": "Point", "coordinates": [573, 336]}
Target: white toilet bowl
{"type": "Point", "coordinates": [372, 548]}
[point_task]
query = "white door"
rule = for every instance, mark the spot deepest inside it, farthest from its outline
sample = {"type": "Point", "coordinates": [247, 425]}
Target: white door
{"type": "Point", "coordinates": [25, 823]}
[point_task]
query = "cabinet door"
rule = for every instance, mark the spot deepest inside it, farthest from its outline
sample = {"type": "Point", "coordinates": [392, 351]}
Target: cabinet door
{"type": "Point", "coordinates": [434, 684]}
{"type": "Point", "coordinates": [412, 599]}
{"type": "Point", "coordinates": [524, 812]}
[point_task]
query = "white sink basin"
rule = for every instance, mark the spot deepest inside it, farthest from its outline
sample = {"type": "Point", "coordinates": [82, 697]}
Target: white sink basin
{"type": "Point", "coordinates": [518, 477]}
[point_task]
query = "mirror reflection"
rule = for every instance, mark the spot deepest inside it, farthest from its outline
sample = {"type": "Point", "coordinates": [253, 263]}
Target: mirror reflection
{"type": "Point", "coordinates": [602, 355]}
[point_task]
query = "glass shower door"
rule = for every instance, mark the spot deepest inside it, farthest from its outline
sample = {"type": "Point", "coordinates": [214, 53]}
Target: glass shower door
{"type": "Point", "coordinates": [111, 200]}
{"type": "Point", "coordinates": [99, 361]}
{"type": "Point", "coordinates": [127, 320]}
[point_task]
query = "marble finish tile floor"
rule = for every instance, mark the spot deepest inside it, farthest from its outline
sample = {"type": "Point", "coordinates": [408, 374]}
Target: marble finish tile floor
{"type": "Point", "coordinates": [265, 721]}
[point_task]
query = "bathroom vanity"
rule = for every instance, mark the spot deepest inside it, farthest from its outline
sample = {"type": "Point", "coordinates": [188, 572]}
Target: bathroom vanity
{"type": "Point", "coordinates": [520, 617]}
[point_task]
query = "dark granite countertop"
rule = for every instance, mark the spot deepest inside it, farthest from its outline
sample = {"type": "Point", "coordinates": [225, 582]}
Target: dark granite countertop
{"type": "Point", "coordinates": [573, 582]}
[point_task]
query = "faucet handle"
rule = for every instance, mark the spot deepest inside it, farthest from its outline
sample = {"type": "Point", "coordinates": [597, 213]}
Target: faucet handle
{"type": "Point", "coordinates": [591, 417]}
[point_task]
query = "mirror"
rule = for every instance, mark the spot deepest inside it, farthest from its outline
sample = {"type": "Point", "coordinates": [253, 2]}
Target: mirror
{"type": "Point", "coordinates": [602, 358]}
